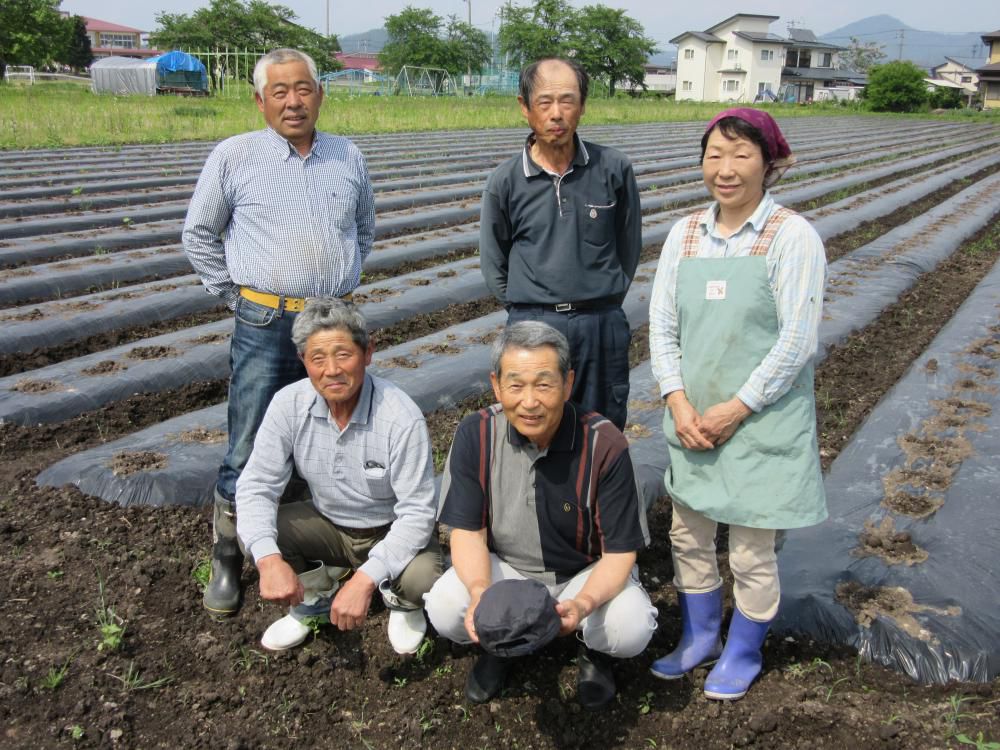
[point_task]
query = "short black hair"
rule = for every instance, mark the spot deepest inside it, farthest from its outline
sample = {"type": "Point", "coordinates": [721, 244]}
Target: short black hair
{"type": "Point", "coordinates": [529, 76]}
{"type": "Point", "coordinates": [733, 128]}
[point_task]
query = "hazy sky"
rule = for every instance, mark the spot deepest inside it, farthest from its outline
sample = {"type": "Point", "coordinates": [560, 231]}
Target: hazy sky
{"type": "Point", "coordinates": [662, 19]}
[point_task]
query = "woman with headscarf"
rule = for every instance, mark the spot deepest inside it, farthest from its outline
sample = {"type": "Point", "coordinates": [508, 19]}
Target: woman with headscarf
{"type": "Point", "coordinates": [733, 323]}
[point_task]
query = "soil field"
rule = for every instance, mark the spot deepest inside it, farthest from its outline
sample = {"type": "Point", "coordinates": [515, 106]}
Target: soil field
{"type": "Point", "coordinates": [104, 642]}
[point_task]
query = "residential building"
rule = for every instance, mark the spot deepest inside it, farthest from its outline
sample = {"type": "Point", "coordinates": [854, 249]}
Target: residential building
{"type": "Point", "coordinates": [957, 73]}
{"type": "Point", "coordinates": [812, 71]}
{"type": "Point", "coordinates": [732, 61]}
{"type": "Point", "coordinates": [659, 79]}
{"type": "Point", "coordinates": [107, 39]}
{"type": "Point", "coordinates": [359, 60]}
{"type": "Point", "coordinates": [989, 74]}
{"type": "Point", "coordinates": [740, 60]}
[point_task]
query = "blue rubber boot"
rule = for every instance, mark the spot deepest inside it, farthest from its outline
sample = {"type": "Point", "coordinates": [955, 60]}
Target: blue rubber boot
{"type": "Point", "coordinates": [741, 659]}
{"type": "Point", "coordinates": [701, 622]}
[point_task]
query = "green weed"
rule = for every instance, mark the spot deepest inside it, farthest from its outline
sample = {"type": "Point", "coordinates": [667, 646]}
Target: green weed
{"type": "Point", "coordinates": [645, 701]}
{"type": "Point", "coordinates": [202, 572]}
{"type": "Point", "coordinates": [54, 575]}
{"type": "Point", "coordinates": [132, 680]}
{"type": "Point", "coordinates": [979, 743]}
{"type": "Point", "coordinates": [76, 732]}
{"type": "Point", "coordinates": [110, 625]}
{"type": "Point", "coordinates": [247, 659]}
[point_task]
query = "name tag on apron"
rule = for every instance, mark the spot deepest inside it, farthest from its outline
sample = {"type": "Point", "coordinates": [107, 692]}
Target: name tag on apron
{"type": "Point", "coordinates": [715, 290]}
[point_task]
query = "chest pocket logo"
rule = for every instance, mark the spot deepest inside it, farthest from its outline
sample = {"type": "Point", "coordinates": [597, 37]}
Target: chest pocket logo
{"type": "Point", "coordinates": [599, 223]}
{"type": "Point", "coordinates": [567, 507]}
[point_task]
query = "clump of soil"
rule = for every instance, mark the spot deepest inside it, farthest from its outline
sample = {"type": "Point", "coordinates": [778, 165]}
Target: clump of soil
{"type": "Point", "coordinates": [908, 504]}
{"type": "Point", "coordinates": [130, 462]}
{"type": "Point", "coordinates": [13, 273]}
{"type": "Point", "coordinates": [210, 338]}
{"type": "Point", "coordinates": [105, 367]}
{"type": "Point", "coordinates": [419, 282]}
{"type": "Point", "coordinates": [407, 362]}
{"type": "Point", "coordinates": [34, 314]}
{"type": "Point", "coordinates": [114, 296]}
{"type": "Point", "coordinates": [886, 542]}
{"type": "Point", "coordinates": [446, 274]}
{"type": "Point", "coordinates": [152, 352]}
{"type": "Point", "coordinates": [200, 435]}
{"type": "Point", "coordinates": [868, 603]}
{"type": "Point", "coordinates": [37, 386]}
{"type": "Point", "coordinates": [437, 349]}
{"type": "Point", "coordinates": [635, 432]}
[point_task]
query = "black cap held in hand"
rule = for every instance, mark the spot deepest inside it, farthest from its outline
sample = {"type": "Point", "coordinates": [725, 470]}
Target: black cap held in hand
{"type": "Point", "coordinates": [515, 618]}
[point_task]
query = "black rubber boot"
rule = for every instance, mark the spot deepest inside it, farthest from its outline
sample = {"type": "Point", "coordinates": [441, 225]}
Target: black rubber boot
{"type": "Point", "coordinates": [486, 678]}
{"type": "Point", "coordinates": [595, 683]}
{"type": "Point", "coordinates": [222, 595]}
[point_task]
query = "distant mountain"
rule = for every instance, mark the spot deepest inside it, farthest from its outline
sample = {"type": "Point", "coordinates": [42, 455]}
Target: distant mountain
{"type": "Point", "coordinates": [372, 40]}
{"type": "Point", "coordinates": [899, 41]}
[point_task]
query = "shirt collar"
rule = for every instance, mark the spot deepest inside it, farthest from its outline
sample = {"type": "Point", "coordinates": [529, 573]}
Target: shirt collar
{"type": "Point", "coordinates": [563, 440]}
{"type": "Point", "coordinates": [362, 411]}
{"type": "Point", "coordinates": [285, 149]}
{"type": "Point", "coordinates": [580, 158]}
{"type": "Point", "coordinates": [758, 219]}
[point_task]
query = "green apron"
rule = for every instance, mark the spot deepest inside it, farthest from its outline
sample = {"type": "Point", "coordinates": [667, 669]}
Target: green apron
{"type": "Point", "coordinates": [767, 475]}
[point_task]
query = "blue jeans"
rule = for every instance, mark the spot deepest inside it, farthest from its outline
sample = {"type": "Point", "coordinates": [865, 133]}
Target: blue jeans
{"type": "Point", "coordinates": [263, 361]}
{"type": "Point", "coordinates": [598, 350]}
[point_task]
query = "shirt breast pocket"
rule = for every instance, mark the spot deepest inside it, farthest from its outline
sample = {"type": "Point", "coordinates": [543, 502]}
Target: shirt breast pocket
{"type": "Point", "coordinates": [342, 208]}
{"type": "Point", "coordinates": [599, 223]}
{"type": "Point", "coordinates": [379, 483]}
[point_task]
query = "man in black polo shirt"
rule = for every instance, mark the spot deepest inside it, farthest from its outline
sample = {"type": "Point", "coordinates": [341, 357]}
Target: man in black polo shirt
{"type": "Point", "coordinates": [537, 487]}
{"type": "Point", "coordinates": [561, 232]}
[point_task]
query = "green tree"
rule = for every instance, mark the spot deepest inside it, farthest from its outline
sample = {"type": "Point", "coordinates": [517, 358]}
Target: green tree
{"type": "Point", "coordinates": [529, 33]}
{"type": "Point", "coordinates": [861, 56]}
{"type": "Point", "coordinates": [417, 36]}
{"type": "Point", "coordinates": [78, 52]}
{"type": "Point", "coordinates": [414, 39]}
{"type": "Point", "coordinates": [466, 47]}
{"type": "Point", "coordinates": [249, 24]}
{"type": "Point", "coordinates": [945, 98]}
{"type": "Point", "coordinates": [611, 46]}
{"type": "Point", "coordinates": [897, 86]}
{"type": "Point", "coordinates": [32, 32]}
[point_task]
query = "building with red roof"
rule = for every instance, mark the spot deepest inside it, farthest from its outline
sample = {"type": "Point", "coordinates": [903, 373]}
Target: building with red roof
{"type": "Point", "coordinates": [107, 39]}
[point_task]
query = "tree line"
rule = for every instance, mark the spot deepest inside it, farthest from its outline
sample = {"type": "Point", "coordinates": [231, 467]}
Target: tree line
{"type": "Point", "coordinates": [610, 45]}
{"type": "Point", "coordinates": [34, 32]}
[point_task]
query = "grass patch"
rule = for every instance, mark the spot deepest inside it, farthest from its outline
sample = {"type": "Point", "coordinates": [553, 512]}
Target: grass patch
{"type": "Point", "coordinates": [53, 115]}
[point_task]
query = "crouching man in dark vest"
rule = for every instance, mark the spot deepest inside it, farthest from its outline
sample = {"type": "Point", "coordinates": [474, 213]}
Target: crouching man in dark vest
{"type": "Point", "coordinates": [538, 488]}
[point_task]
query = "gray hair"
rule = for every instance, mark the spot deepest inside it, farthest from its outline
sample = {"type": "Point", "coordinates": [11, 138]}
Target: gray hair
{"type": "Point", "coordinates": [279, 57]}
{"type": "Point", "coordinates": [325, 313]}
{"type": "Point", "coordinates": [531, 334]}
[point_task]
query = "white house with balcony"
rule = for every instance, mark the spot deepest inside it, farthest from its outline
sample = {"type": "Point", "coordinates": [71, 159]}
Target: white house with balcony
{"type": "Point", "coordinates": [738, 60]}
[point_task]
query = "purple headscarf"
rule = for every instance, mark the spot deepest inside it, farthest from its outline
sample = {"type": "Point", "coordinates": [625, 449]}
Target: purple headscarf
{"type": "Point", "coordinates": [776, 143]}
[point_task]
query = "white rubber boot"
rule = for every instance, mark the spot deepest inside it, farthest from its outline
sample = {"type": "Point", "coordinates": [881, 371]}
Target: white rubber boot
{"type": "Point", "coordinates": [320, 584]}
{"type": "Point", "coordinates": [407, 627]}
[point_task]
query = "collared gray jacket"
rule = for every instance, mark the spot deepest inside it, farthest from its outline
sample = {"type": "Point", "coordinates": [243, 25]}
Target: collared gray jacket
{"type": "Point", "coordinates": [548, 239]}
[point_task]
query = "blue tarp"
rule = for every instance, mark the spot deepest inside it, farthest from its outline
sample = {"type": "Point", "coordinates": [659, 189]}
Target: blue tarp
{"type": "Point", "coordinates": [175, 62]}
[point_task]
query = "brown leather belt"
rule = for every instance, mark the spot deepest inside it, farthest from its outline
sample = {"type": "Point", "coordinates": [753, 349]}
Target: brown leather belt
{"type": "Point", "coordinates": [363, 533]}
{"type": "Point", "coordinates": [277, 302]}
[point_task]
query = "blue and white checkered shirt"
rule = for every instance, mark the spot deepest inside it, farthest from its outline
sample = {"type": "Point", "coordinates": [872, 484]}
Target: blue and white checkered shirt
{"type": "Point", "coordinates": [374, 472]}
{"type": "Point", "coordinates": [796, 270]}
{"type": "Point", "coordinates": [265, 217]}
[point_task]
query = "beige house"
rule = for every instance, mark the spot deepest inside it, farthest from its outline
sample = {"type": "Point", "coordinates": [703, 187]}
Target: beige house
{"type": "Point", "coordinates": [734, 61]}
{"type": "Point", "coordinates": [989, 74]}
{"type": "Point", "coordinates": [958, 73]}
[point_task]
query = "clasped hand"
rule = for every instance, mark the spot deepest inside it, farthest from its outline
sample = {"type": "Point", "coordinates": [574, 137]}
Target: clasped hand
{"type": "Point", "coordinates": [703, 432]}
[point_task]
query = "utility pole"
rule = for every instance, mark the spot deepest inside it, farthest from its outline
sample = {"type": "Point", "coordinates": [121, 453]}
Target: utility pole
{"type": "Point", "coordinates": [902, 37]}
{"type": "Point", "coordinates": [469, 69]}
{"type": "Point", "coordinates": [327, 19]}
